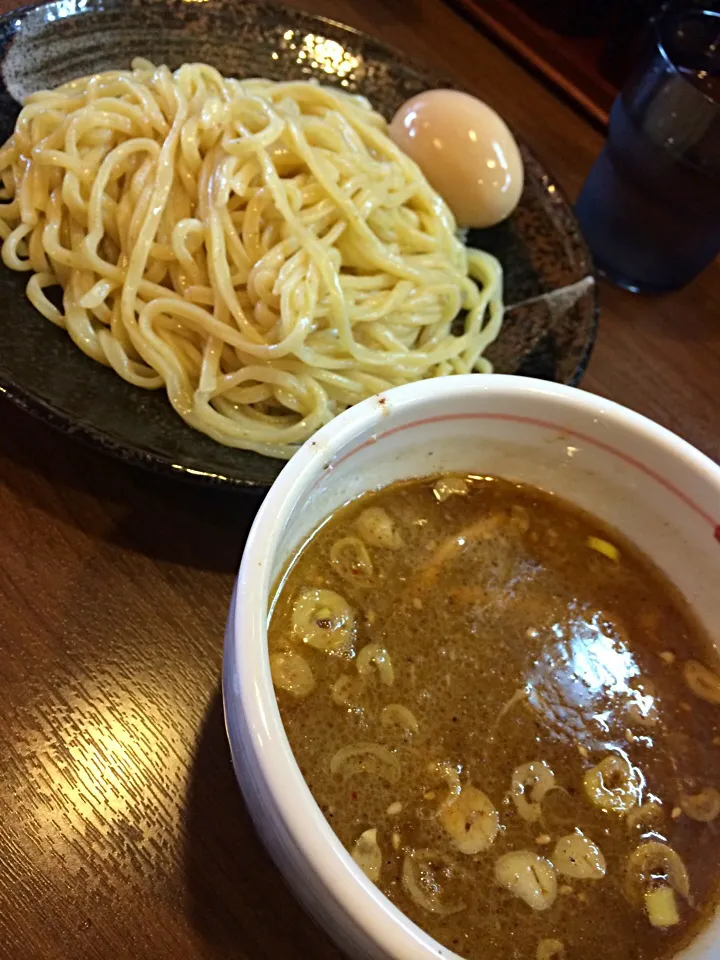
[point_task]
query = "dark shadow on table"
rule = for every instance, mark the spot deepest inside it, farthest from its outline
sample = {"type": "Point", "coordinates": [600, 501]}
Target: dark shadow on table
{"type": "Point", "coordinates": [237, 900]}
{"type": "Point", "coordinates": [162, 518]}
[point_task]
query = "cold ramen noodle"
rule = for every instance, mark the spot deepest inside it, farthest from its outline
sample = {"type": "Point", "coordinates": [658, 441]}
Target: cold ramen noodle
{"type": "Point", "coordinates": [261, 251]}
{"type": "Point", "coordinates": [509, 718]}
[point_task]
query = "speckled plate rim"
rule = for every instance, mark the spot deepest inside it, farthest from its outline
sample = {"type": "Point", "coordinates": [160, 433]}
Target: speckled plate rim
{"type": "Point", "coordinates": [155, 462]}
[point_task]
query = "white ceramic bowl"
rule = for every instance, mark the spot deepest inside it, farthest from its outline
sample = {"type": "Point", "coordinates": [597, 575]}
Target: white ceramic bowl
{"type": "Point", "coordinates": [628, 471]}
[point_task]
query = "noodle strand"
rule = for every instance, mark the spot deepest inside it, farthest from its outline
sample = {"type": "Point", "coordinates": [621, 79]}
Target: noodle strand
{"type": "Point", "coordinates": [260, 250]}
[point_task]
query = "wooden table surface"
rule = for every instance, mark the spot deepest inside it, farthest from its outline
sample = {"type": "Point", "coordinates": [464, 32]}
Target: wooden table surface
{"type": "Point", "coordinates": [122, 830]}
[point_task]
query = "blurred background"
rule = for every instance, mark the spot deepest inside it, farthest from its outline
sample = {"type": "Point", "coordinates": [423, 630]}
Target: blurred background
{"type": "Point", "coordinates": [586, 47]}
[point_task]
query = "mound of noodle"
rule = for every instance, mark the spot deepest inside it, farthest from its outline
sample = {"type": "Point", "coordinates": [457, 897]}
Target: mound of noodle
{"type": "Point", "coordinates": [260, 250]}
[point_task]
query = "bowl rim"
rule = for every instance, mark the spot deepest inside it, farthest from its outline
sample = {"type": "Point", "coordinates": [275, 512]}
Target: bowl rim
{"type": "Point", "coordinates": [246, 668]}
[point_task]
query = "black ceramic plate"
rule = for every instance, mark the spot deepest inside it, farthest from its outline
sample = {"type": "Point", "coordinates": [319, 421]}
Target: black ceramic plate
{"type": "Point", "coordinates": [540, 247]}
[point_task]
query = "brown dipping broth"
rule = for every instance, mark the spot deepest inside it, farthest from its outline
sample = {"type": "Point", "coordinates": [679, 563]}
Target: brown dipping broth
{"type": "Point", "coordinates": [515, 629]}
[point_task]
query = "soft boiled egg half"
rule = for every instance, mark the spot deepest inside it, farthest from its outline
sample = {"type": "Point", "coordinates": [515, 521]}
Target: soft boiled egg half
{"type": "Point", "coordinates": [466, 152]}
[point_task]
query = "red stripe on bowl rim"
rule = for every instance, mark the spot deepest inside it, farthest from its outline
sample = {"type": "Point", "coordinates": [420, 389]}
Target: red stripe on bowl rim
{"type": "Point", "coordinates": [547, 425]}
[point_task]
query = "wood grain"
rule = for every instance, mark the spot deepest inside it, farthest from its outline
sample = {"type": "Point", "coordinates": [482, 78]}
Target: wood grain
{"type": "Point", "coordinates": [122, 831]}
{"type": "Point", "coordinates": [570, 63]}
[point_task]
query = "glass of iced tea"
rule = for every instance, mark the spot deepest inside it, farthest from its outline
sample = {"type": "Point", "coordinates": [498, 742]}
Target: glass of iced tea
{"type": "Point", "coordinates": [650, 207]}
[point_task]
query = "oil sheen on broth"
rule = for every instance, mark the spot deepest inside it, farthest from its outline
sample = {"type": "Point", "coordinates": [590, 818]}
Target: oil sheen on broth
{"type": "Point", "coordinates": [509, 717]}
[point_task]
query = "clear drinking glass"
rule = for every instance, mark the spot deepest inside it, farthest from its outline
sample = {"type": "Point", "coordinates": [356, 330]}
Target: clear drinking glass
{"type": "Point", "coordinates": [650, 207]}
